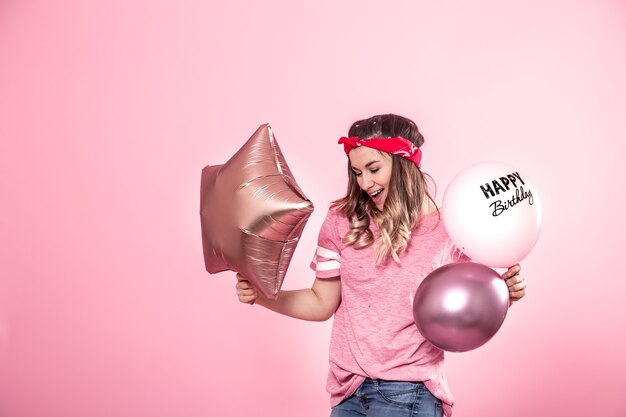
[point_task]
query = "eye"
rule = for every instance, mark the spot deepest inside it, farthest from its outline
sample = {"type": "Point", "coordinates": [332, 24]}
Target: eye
{"type": "Point", "coordinates": [373, 170]}
{"type": "Point", "coordinates": [358, 174]}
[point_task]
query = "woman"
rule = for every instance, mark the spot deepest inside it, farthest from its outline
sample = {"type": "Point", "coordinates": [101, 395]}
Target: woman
{"type": "Point", "coordinates": [375, 247]}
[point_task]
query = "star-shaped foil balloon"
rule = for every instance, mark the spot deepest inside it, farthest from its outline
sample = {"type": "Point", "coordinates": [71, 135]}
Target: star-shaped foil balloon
{"type": "Point", "coordinates": [252, 213]}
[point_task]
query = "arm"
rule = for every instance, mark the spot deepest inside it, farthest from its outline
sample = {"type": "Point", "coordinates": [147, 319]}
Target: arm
{"type": "Point", "coordinates": [317, 303]}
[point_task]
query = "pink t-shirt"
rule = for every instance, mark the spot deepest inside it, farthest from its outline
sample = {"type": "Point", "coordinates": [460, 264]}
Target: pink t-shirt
{"type": "Point", "coordinates": [374, 333]}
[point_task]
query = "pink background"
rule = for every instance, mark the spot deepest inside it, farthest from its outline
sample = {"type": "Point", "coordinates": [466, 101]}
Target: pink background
{"type": "Point", "coordinates": [110, 109]}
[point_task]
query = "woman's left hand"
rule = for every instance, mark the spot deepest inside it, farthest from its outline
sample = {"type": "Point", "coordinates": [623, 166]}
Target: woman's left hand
{"type": "Point", "coordinates": [515, 282]}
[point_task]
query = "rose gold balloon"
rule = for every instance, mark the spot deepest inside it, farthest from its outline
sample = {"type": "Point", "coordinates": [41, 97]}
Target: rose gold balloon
{"type": "Point", "coordinates": [460, 306]}
{"type": "Point", "coordinates": [252, 213]}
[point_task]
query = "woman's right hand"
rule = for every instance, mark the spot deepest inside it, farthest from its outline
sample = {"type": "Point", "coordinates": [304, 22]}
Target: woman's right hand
{"type": "Point", "coordinates": [246, 292]}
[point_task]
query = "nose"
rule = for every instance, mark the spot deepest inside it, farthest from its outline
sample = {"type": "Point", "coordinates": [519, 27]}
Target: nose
{"type": "Point", "coordinates": [368, 181]}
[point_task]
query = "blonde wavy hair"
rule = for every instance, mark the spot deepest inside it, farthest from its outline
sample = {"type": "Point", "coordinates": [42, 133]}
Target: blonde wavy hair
{"type": "Point", "coordinates": [408, 189]}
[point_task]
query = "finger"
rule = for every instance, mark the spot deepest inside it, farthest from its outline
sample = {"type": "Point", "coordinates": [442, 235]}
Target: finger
{"type": "Point", "coordinates": [243, 285]}
{"type": "Point", "coordinates": [513, 270]}
{"type": "Point", "coordinates": [248, 299]}
{"type": "Point", "coordinates": [246, 292]}
{"type": "Point", "coordinates": [517, 287]}
{"type": "Point", "coordinates": [514, 280]}
{"type": "Point", "coordinates": [517, 292]}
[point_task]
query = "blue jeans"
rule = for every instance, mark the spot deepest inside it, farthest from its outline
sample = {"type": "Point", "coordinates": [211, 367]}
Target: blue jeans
{"type": "Point", "coordinates": [376, 398]}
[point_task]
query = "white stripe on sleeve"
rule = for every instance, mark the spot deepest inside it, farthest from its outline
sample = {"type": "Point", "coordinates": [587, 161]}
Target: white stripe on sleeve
{"type": "Point", "coordinates": [328, 254]}
{"type": "Point", "coordinates": [328, 265]}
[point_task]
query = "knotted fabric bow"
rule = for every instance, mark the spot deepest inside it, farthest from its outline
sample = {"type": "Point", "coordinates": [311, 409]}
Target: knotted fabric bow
{"type": "Point", "coordinates": [396, 146]}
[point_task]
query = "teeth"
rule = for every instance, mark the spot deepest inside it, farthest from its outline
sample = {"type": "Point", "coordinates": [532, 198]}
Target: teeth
{"type": "Point", "coordinates": [376, 193]}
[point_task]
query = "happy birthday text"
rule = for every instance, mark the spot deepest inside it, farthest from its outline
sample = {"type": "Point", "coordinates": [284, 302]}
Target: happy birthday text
{"type": "Point", "coordinates": [502, 185]}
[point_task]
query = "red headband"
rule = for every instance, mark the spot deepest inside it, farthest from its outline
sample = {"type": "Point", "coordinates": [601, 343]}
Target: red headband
{"type": "Point", "coordinates": [395, 146]}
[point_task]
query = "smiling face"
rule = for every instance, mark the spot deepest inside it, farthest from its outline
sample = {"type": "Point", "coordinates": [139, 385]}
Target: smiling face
{"type": "Point", "coordinates": [373, 172]}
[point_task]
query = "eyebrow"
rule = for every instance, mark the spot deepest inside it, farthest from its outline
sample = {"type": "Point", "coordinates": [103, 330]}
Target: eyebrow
{"type": "Point", "coordinates": [366, 165]}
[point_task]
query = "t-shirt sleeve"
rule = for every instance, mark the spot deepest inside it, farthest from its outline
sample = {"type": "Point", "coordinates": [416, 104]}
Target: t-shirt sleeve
{"type": "Point", "coordinates": [327, 258]}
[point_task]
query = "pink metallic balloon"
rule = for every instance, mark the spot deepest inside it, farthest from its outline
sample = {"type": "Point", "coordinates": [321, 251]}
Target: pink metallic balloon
{"type": "Point", "coordinates": [252, 213]}
{"type": "Point", "coordinates": [460, 306]}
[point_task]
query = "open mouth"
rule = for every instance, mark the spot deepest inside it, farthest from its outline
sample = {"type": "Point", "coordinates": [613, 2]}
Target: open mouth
{"type": "Point", "coordinates": [376, 193]}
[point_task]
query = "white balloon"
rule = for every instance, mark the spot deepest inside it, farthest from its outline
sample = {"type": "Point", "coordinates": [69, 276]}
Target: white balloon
{"type": "Point", "coordinates": [492, 213]}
